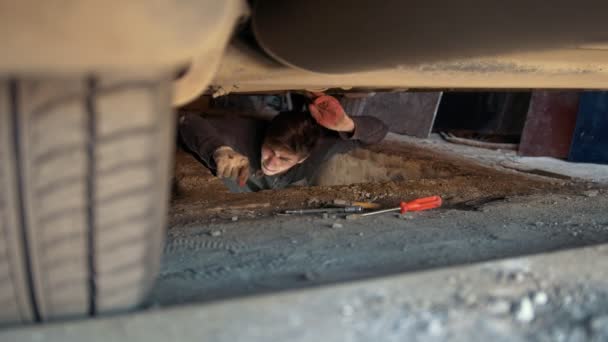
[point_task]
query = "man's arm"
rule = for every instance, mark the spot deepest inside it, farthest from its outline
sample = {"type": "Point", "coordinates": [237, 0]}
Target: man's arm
{"type": "Point", "coordinates": [201, 138]}
{"type": "Point", "coordinates": [368, 130]}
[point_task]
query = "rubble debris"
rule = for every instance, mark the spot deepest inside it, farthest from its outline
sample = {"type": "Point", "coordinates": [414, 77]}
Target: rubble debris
{"type": "Point", "coordinates": [517, 276]}
{"type": "Point", "coordinates": [435, 328]}
{"type": "Point", "coordinates": [325, 216]}
{"type": "Point", "coordinates": [337, 225]}
{"type": "Point", "coordinates": [235, 218]}
{"type": "Point", "coordinates": [310, 276]}
{"type": "Point", "coordinates": [347, 311]}
{"type": "Point", "coordinates": [591, 193]}
{"type": "Point", "coordinates": [313, 201]}
{"type": "Point", "coordinates": [499, 307]}
{"type": "Point", "coordinates": [341, 202]}
{"type": "Point", "coordinates": [404, 216]}
{"type": "Point", "coordinates": [524, 310]}
{"type": "Point", "coordinates": [215, 233]}
{"type": "Point", "coordinates": [599, 325]}
{"type": "Point", "coordinates": [578, 334]}
{"type": "Point", "coordinates": [470, 299]}
{"type": "Point", "coordinates": [540, 298]}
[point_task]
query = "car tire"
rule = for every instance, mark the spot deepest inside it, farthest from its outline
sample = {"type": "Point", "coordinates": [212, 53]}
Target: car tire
{"type": "Point", "coordinates": [84, 183]}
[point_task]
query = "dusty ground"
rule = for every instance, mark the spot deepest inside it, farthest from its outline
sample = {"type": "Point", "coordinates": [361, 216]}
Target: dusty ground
{"type": "Point", "coordinates": [305, 266]}
{"type": "Point", "coordinates": [385, 174]}
{"type": "Point", "coordinates": [223, 245]}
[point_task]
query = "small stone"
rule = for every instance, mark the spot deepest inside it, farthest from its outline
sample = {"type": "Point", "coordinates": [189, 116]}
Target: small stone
{"type": "Point", "coordinates": [235, 218]}
{"type": "Point", "coordinates": [325, 216]}
{"type": "Point", "coordinates": [524, 311]}
{"type": "Point", "coordinates": [470, 299]}
{"type": "Point", "coordinates": [539, 224]}
{"type": "Point", "coordinates": [540, 298]}
{"type": "Point", "coordinates": [340, 202]}
{"type": "Point", "coordinates": [599, 325]}
{"type": "Point", "coordinates": [313, 201]}
{"type": "Point", "coordinates": [361, 234]}
{"type": "Point", "coordinates": [591, 193]}
{"type": "Point", "coordinates": [309, 276]}
{"type": "Point", "coordinates": [425, 305]}
{"type": "Point", "coordinates": [337, 225]}
{"type": "Point", "coordinates": [215, 233]}
{"type": "Point", "coordinates": [578, 334]}
{"type": "Point", "coordinates": [517, 277]}
{"type": "Point", "coordinates": [347, 310]}
{"type": "Point", "coordinates": [499, 307]}
{"type": "Point", "coordinates": [434, 328]}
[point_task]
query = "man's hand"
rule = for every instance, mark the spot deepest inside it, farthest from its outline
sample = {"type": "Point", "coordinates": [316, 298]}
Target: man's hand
{"type": "Point", "coordinates": [231, 164]}
{"type": "Point", "coordinates": [329, 113]}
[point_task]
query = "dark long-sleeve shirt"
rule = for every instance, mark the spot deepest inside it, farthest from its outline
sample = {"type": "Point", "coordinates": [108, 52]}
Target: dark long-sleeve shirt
{"type": "Point", "coordinates": [202, 135]}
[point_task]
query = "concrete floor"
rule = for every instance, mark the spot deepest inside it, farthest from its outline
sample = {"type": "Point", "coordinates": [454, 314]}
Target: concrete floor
{"type": "Point", "coordinates": [551, 297]}
{"type": "Point", "coordinates": [222, 260]}
{"type": "Point", "coordinates": [432, 276]}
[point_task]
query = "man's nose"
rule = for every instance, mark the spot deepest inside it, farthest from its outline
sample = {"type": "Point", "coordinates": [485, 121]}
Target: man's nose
{"type": "Point", "coordinates": [272, 161]}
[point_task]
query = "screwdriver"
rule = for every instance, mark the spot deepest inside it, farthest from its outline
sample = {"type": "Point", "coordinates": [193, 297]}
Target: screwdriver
{"type": "Point", "coordinates": [420, 204]}
{"type": "Point", "coordinates": [349, 209]}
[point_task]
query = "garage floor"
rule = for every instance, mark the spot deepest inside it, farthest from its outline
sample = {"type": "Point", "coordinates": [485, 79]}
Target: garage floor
{"type": "Point", "coordinates": [222, 245]}
{"type": "Point", "coordinates": [223, 250]}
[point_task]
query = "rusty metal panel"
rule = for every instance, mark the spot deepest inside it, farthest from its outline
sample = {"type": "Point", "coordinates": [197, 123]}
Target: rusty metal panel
{"type": "Point", "coordinates": [550, 124]}
{"type": "Point", "coordinates": [409, 113]}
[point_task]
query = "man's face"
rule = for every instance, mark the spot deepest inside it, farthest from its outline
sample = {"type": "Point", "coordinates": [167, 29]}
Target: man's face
{"type": "Point", "coordinates": [276, 160]}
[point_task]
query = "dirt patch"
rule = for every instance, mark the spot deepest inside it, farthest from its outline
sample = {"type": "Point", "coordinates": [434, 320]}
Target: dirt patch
{"type": "Point", "coordinates": [386, 174]}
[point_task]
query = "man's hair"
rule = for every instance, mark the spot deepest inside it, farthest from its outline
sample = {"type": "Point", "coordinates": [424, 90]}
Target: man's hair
{"type": "Point", "coordinates": [294, 131]}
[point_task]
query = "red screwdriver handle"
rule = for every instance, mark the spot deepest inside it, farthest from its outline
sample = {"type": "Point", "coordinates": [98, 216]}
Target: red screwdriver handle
{"type": "Point", "coordinates": [421, 204]}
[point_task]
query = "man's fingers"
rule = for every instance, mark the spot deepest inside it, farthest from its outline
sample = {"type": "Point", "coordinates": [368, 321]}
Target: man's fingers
{"type": "Point", "coordinates": [221, 169]}
{"type": "Point", "coordinates": [234, 172]}
{"type": "Point", "coordinates": [243, 175]}
{"type": "Point", "coordinates": [230, 164]}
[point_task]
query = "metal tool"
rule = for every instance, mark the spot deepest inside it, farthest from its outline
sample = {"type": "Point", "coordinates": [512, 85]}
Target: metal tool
{"type": "Point", "coordinates": [364, 205]}
{"type": "Point", "coordinates": [345, 210]}
{"type": "Point", "coordinates": [420, 204]}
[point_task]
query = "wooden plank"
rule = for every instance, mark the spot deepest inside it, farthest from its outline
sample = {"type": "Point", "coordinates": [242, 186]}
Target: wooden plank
{"type": "Point", "coordinates": [590, 141]}
{"type": "Point", "coordinates": [550, 124]}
